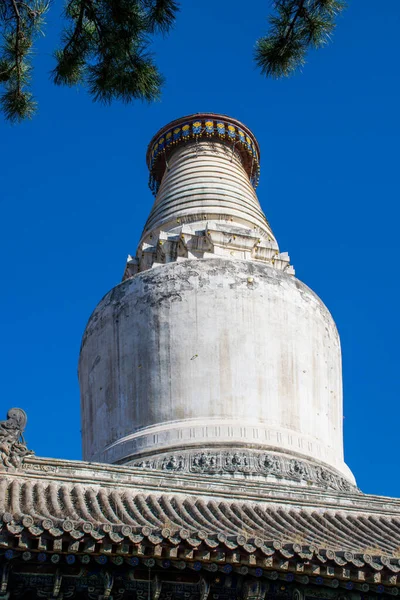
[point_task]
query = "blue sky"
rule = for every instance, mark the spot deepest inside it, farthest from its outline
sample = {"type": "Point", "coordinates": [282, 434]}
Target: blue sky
{"type": "Point", "coordinates": [74, 198]}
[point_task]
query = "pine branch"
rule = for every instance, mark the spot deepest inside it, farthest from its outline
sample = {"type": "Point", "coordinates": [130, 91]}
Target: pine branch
{"type": "Point", "coordinates": [106, 47]}
{"type": "Point", "coordinates": [20, 21]}
{"type": "Point", "coordinates": [290, 28]}
{"type": "Point", "coordinates": [18, 56]}
{"type": "Point", "coordinates": [295, 27]}
{"type": "Point", "coordinates": [161, 14]}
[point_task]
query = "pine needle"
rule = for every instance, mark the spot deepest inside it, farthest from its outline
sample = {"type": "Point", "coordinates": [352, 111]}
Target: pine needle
{"type": "Point", "coordinates": [295, 27]}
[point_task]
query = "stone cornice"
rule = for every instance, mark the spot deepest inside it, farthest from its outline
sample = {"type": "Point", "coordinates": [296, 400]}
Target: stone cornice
{"type": "Point", "coordinates": [139, 479]}
{"type": "Point", "coordinates": [67, 511]}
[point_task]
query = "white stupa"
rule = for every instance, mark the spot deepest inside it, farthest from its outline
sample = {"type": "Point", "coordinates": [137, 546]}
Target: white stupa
{"type": "Point", "coordinates": [211, 356]}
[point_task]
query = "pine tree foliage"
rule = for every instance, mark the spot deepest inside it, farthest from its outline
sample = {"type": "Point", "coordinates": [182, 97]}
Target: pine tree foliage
{"type": "Point", "coordinates": [295, 27]}
{"type": "Point", "coordinates": [105, 46]}
{"type": "Point", "coordinates": [21, 21]}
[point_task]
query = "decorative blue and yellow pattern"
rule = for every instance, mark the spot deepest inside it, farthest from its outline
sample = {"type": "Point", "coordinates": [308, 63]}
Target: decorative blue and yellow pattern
{"type": "Point", "coordinates": [222, 129]}
{"type": "Point", "coordinates": [177, 134]}
{"type": "Point", "coordinates": [197, 128]}
{"type": "Point", "coordinates": [209, 127]}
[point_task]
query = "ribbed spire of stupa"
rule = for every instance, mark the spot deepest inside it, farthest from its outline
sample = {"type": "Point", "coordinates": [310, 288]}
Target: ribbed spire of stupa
{"type": "Point", "coordinates": [204, 170]}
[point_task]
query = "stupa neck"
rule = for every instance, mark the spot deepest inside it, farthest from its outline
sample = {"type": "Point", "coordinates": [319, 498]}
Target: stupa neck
{"type": "Point", "coordinates": [204, 170]}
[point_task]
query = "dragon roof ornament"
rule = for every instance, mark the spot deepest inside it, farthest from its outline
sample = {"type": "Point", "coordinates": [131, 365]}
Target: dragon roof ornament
{"type": "Point", "coordinates": [13, 448]}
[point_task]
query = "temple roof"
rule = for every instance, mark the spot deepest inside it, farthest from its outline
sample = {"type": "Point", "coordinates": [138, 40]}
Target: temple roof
{"type": "Point", "coordinates": [64, 507]}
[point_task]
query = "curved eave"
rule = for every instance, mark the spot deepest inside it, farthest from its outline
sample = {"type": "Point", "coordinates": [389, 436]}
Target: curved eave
{"type": "Point", "coordinates": [63, 509]}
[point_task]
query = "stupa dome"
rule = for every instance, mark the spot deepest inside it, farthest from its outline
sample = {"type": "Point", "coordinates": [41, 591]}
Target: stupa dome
{"type": "Point", "coordinates": [211, 356]}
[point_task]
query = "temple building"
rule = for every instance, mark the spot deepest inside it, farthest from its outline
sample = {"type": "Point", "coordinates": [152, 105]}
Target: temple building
{"type": "Point", "coordinates": [211, 402]}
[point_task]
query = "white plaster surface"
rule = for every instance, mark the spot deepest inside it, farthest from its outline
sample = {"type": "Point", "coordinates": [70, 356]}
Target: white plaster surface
{"type": "Point", "coordinates": [211, 352]}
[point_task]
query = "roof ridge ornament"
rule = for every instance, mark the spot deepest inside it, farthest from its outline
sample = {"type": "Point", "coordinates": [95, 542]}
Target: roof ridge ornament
{"type": "Point", "coordinates": [13, 447]}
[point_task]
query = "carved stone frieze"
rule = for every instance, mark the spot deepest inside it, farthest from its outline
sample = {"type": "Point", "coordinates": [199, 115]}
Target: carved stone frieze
{"type": "Point", "coordinates": [247, 462]}
{"type": "Point", "coordinates": [41, 467]}
{"type": "Point", "coordinates": [205, 462]}
{"type": "Point", "coordinates": [269, 463]}
{"type": "Point", "coordinates": [173, 463]}
{"type": "Point", "coordinates": [13, 448]}
{"type": "Point", "coordinates": [212, 239]}
{"type": "Point", "coordinates": [238, 462]}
